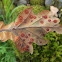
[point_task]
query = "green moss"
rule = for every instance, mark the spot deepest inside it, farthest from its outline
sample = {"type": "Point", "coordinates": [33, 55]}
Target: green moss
{"type": "Point", "coordinates": [53, 49]}
{"type": "Point", "coordinates": [7, 52]}
{"type": "Point", "coordinates": [19, 9]}
{"type": "Point", "coordinates": [37, 2]}
{"type": "Point", "coordinates": [38, 8]}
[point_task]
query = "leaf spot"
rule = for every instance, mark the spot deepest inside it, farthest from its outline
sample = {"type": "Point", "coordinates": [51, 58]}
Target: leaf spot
{"type": "Point", "coordinates": [55, 21]}
{"type": "Point", "coordinates": [26, 11]}
{"type": "Point", "coordinates": [41, 22]}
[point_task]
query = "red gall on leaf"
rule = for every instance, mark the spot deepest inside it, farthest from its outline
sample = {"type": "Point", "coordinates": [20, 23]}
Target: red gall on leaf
{"type": "Point", "coordinates": [45, 17]}
{"type": "Point", "coordinates": [49, 20]}
{"type": "Point", "coordinates": [23, 48]}
{"type": "Point", "coordinates": [55, 21]}
{"type": "Point", "coordinates": [20, 21]}
{"type": "Point", "coordinates": [17, 23]}
{"type": "Point", "coordinates": [26, 49]}
{"type": "Point", "coordinates": [30, 42]}
{"type": "Point", "coordinates": [31, 39]}
{"type": "Point", "coordinates": [40, 42]}
{"type": "Point", "coordinates": [27, 46]}
{"type": "Point", "coordinates": [26, 11]}
{"type": "Point", "coordinates": [35, 17]}
{"type": "Point", "coordinates": [31, 20]}
{"type": "Point", "coordinates": [47, 29]}
{"type": "Point", "coordinates": [20, 17]}
{"type": "Point", "coordinates": [41, 22]}
{"type": "Point", "coordinates": [22, 35]}
{"type": "Point", "coordinates": [31, 16]}
{"type": "Point", "coordinates": [19, 44]}
{"type": "Point", "coordinates": [23, 39]}
{"type": "Point", "coordinates": [28, 34]}
{"type": "Point", "coordinates": [43, 34]}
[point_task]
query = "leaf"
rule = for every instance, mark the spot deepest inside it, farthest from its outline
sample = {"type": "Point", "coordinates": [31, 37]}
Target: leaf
{"type": "Point", "coordinates": [1, 24]}
{"type": "Point", "coordinates": [29, 35]}
{"type": "Point", "coordinates": [57, 28]}
{"type": "Point", "coordinates": [28, 28]}
{"type": "Point", "coordinates": [54, 10]}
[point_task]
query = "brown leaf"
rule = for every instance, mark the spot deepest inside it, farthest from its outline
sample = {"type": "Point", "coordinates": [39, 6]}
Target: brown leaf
{"type": "Point", "coordinates": [54, 11]}
{"type": "Point", "coordinates": [28, 28]}
{"type": "Point", "coordinates": [29, 35]}
{"type": "Point", "coordinates": [23, 16]}
{"type": "Point", "coordinates": [44, 13]}
{"type": "Point", "coordinates": [46, 22]}
{"type": "Point", "coordinates": [30, 20]}
{"type": "Point", "coordinates": [57, 28]}
{"type": "Point", "coordinates": [4, 36]}
{"type": "Point", "coordinates": [1, 24]}
{"type": "Point", "coordinates": [35, 33]}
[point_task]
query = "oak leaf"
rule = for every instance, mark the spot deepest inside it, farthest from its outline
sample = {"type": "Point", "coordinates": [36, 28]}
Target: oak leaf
{"type": "Point", "coordinates": [28, 28]}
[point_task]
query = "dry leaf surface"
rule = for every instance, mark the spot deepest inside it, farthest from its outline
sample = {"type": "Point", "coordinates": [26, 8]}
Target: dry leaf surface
{"type": "Point", "coordinates": [28, 28]}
